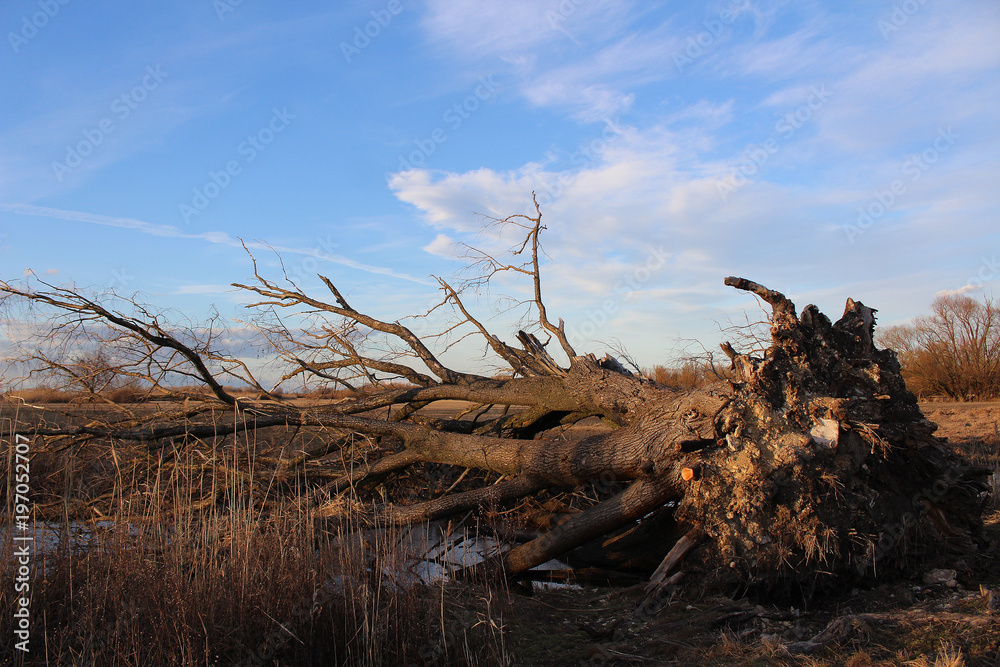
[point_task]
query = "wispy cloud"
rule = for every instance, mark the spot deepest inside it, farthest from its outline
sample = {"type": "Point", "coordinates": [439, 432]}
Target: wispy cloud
{"type": "Point", "coordinates": [481, 29]}
{"type": "Point", "coordinates": [578, 57]}
{"type": "Point", "coordinates": [220, 238]}
{"type": "Point", "coordinates": [964, 289]}
{"type": "Point", "coordinates": [657, 182]}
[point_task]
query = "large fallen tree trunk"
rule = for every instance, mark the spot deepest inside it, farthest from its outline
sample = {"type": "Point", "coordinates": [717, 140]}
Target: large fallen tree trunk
{"type": "Point", "coordinates": [811, 465]}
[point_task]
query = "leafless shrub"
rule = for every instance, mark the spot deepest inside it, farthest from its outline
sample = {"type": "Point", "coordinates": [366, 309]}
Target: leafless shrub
{"type": "Point", "coordinates": [954, 351]}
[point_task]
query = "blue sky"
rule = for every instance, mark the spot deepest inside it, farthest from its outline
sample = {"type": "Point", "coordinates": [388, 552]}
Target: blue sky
{"type": "Point", "coordinates": [825, 149]}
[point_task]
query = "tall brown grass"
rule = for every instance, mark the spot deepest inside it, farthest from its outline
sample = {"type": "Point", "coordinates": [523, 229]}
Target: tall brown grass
{"type": "Point", "coordinates": [689, 374]}
{"type": "Point", "coordinates": [985, 451]}
{"type": "Point", "coordinates": [248, 579]}
{"type": "Point", "coordinates": [40, 395]}
{"type": "Point", "coordinates": [49, 395]}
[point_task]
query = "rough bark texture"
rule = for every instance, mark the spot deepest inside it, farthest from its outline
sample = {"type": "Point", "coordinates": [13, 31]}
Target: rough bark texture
{"type": "Point", "coordinates": [825, 467]}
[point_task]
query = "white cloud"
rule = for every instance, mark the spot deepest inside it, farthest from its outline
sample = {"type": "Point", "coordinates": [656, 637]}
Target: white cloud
{"type": "Point", "coordinates": [704, 113]}
{"type": "Point", "coordinates": [442, 246]}
{"type": "Point", "coordinates": [933, 72]}
{"type": "Point", "coordinates": [592, 103]}
{"type": "Point", "coordinates": [783, 56]}
{"type": "Point", "coordinates": [964, 289]}
{"type": "Point", "coordinates": [603, 220]}
{"type": "Point", "coordinates": [457, 201]}
{"type": "Point", "coordinates": [657, 181]}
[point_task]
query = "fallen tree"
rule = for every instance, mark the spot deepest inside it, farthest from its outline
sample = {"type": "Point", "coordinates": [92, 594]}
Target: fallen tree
{"type": "Point", "coordinates": [811, 465]}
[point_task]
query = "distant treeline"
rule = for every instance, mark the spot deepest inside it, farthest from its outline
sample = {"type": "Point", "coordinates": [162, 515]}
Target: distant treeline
{"type": "Point", "coordinates": [141, 393]}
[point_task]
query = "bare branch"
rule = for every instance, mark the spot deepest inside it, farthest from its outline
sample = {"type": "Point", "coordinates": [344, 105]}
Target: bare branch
{"type": "Point", "coordinates": [282, 298]}
{"type": "Point", "coordinates": [519, 362]}
{"type": "Point", "coordinates": [148, 328]}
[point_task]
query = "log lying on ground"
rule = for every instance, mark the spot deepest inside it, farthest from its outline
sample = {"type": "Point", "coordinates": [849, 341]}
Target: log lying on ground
{"type": "Point", "coordinates": [812, 466]}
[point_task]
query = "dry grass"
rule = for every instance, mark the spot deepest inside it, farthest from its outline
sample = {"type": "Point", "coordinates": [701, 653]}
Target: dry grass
{"type": "Point", "coordinates": [947, 656]}
{"type": "Point", "coordinates": [40, 396]}
{"type": "Point", "coordinates": [250, 577]}
{"type": "Point", "coordinates": [983, 449]}
{"type": "Point", "coordinates": [44, 395]}
{"type": "Point", "coordinates": [690, 374]}
{"type": "Point", "coordinates": [52, 396]}
{"type": "Point", "coordinates": [233, 589]}
{"type": "Point", "coordinates": [205, 558]}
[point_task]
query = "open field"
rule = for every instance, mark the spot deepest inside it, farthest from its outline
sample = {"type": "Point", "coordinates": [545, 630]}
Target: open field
{"type": "Point", "coordinates": [209, 560]}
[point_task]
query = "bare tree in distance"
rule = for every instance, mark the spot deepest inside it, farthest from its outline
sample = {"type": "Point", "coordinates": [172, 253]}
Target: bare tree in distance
{"type": "Point", "coordinates": [954, 351]}
{"type": "Point", "coordinates": [809, 466]}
